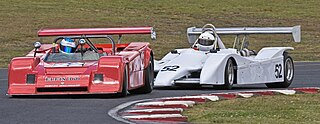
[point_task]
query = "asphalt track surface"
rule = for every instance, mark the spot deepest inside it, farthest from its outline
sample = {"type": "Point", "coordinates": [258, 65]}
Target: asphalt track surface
{"type": "Point", "coordinates": [94, 109]}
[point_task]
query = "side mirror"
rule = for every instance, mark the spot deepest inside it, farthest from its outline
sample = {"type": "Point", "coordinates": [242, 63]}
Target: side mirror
{"type": "Point", "coordinates": [36, 45]}
{"type": "Point", "coordinates": [82, 41]}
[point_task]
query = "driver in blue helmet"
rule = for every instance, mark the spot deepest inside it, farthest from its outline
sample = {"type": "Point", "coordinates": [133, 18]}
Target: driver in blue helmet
{"type": "Point", "coordinates": [67, 45]}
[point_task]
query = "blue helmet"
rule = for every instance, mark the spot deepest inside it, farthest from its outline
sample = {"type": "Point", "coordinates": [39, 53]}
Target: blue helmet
{"type": "Point", "coordinates": [67, 45]}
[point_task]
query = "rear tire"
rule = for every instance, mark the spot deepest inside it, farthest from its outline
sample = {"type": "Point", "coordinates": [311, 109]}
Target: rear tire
{"type": "Point", "coordinates": [148, 74]}
{"type": "Point", "coordinates": [124, 91]}
{"type": "Point", "coordinates": [229, 76]}
{"type": "Point", "coordinates": [288, 73]}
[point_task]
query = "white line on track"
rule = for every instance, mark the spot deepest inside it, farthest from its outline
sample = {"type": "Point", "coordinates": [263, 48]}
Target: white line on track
{"type": "Point", "coordinates": [285, 92]}
{"type": "Point", "coordinates": [3, 79]}
{"type": "Point", "coordinates": [186, 103]}
{"type": "Point", "coordinates": [155, 110]}
{"type": "Point", "coordinates": [245, 95]}
{"type": "Point", "coordinates": [211, 98]}
{"type": "Point", "coordinates": [153, 116]}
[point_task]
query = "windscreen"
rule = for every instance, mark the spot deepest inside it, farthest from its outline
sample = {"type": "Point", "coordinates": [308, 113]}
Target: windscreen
{"type": "Point", "coordinates": [69, 57]}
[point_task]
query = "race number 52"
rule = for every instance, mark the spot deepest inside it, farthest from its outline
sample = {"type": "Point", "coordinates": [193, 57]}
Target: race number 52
{"type": "Point", "coordinates": [170, 68]}
{"type": "Point", "coordinates": [278, 69]}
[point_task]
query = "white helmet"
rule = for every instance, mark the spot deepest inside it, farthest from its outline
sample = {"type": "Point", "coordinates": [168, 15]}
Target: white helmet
{"type": "Point", "coordinates": [205, 41]}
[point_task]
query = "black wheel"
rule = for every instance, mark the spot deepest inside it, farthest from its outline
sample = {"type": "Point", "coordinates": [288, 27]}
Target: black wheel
{"type": "Point", "coordinates": [288, 73]}
{"type": "Point", "coordinates": [124, 91]}
{"type": "Point", "coordinates": [148, 74]}
{"type": "Point", "coordinates": [229, 76]}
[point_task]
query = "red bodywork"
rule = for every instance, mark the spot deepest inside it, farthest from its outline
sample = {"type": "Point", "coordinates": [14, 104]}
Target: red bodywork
{"type": "Point", "coordinates": [52, 79]}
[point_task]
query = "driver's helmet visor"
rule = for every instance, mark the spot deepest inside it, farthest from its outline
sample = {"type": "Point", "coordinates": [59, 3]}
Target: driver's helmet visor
{"type": "Point", "coordinates": [67, 47]}
{"type": "Point", "coordinates": [205, 42]}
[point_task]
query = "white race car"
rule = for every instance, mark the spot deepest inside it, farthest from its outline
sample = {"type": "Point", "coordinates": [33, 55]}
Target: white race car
{"type": "Point", "coordinates": [209, 62]}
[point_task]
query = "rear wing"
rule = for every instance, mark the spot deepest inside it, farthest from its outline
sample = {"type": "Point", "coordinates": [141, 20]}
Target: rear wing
{"type": "Point", "coordinates": [193, 32]}
{"type": "Point", "coordinates": [97, 31]}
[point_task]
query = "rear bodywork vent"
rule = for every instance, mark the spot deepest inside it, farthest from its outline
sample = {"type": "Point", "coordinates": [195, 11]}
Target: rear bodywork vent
{"type": "Point", "coordinates": [64, 89]}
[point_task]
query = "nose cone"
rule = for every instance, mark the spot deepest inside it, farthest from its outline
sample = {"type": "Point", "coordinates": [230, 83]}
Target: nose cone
{"type": "Point", "coordinates": [166, 78]}
{"type": "Point", "coordinates": [179, 67]}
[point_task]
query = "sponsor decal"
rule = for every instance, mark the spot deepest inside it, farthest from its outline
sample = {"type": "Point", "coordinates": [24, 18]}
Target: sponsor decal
{"type": "Point", "coordinates": [62, 79]}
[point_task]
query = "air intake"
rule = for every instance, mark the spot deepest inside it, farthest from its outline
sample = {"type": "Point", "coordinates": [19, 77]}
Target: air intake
{"type": "Point", "coordinates": [98, 78]}
{"type": "Point", "coordinates": [31, 79]}
{"type": "Point", "coordinates": [64, 89]}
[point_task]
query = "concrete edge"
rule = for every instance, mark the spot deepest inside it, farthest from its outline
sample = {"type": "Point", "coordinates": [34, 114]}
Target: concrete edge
{"type": "Point", "coordinates": [150, 118]}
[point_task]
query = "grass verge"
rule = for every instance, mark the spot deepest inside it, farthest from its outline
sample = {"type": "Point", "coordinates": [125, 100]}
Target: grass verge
{"type": "Point", "coordinates": [21, 19]}
{"type": "Point", "coordinates": [278, 109]}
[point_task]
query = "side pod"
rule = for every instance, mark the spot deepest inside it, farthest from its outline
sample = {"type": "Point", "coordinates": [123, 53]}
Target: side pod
{"type": "Point", "coordinates": [108, 76]}
{"type": "Point", "coordinates": [18, 71]}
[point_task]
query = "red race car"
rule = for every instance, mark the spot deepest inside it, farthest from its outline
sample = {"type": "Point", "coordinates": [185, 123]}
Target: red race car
{"type": "Point", "coordinates": [74, 64]}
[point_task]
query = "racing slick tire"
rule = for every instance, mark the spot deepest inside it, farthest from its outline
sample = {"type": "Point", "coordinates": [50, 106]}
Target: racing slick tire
{"type": "Point", "coordinates": [148, 74]}
{"type": "Point", "coordinates": [124, 90]}
{"type": "Point", "coordinates": [229, 76]}
{"type": "Point", "coordinates": [288, 73]}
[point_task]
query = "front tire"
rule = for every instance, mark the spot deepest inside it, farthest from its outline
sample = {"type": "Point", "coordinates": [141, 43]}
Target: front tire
{"type": "Point", "coordinates": [288, 73]}
{"type": "Point", "coordinates": [124, 91]}
{"type": "Point", "coordinates": [148, 74]}
{"type": "Point", "coordinates": [229, 76]}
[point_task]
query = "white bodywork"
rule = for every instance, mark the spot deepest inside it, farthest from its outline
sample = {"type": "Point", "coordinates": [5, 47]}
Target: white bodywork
{"type": "Point", "coordinates": [190, 66]}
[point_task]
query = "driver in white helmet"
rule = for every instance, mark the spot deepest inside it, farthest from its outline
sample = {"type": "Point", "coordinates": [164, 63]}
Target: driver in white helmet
{"type": "Point", "coordinates": [205, 41]}
{"type": "Point", "coordinates": [67, 45]}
